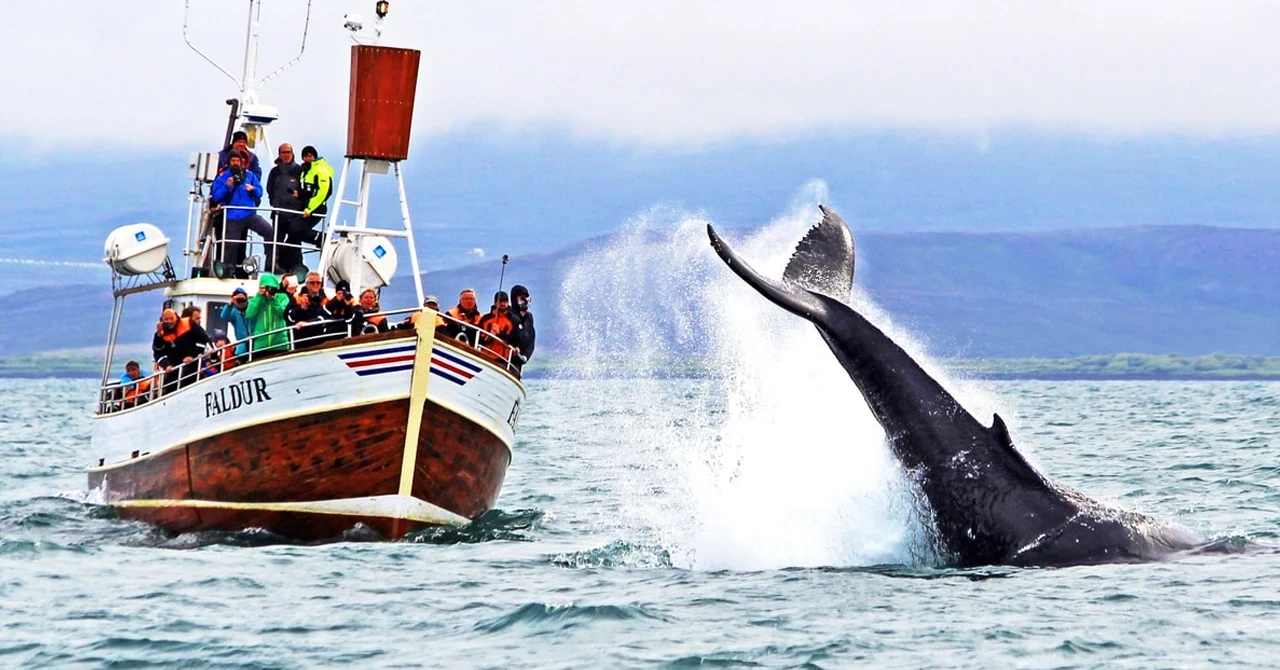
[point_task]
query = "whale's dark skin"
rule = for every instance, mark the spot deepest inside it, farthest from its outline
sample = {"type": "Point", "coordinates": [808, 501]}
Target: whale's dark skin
{"type": "Point", "coordinates": [990, 506]}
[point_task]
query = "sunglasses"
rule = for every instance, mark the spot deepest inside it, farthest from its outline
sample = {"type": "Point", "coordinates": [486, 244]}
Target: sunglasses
{"type": "Point", "coordinates": [313, 283]}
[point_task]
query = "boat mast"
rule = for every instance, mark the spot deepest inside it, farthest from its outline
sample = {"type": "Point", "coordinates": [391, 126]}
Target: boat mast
{"type": "Point", "coordinates": [254, 117]}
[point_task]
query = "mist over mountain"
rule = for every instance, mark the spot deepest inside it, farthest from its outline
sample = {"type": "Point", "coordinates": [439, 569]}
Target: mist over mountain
{"type": "Point", "coordinates": [1153, 289]}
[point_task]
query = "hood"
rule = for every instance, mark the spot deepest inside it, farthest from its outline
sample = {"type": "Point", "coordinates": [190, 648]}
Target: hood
{"type": "Point", "coordinates": [268, 280]}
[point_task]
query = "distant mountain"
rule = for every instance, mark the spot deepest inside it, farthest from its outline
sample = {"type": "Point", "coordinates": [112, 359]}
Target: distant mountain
{"type": "Point", "coordinates": [1153, 289]}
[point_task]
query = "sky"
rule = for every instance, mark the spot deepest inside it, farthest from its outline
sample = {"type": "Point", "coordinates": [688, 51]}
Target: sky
{"type": "Point", "coordinates": [657, 73]}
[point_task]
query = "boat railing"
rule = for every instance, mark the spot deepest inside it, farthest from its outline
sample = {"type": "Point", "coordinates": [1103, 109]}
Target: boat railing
{"type": "Point", "coordinates": [212, 243]}
{"type": "Point", "coordinates": [117, 396]}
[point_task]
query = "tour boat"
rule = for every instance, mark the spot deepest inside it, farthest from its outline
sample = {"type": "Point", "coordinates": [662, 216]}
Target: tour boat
{"type": "Point", "coordinates": [396, 431]}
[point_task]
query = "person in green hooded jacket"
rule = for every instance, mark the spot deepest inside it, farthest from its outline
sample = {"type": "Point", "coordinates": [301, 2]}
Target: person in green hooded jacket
{"type": "Point", "coordinates": [317, 185]}
{"type": "Point", "coordinates": [266, 312]}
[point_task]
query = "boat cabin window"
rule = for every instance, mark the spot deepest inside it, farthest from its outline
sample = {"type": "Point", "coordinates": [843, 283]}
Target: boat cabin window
{"type": "Point", "coordinates": [213, 317]}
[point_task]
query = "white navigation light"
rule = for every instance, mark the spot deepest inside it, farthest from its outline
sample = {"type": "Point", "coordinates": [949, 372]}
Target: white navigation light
{"type": "Point", "coordinates": [373, 261]}
{"type": "Point", "coordinates": [136, 249]}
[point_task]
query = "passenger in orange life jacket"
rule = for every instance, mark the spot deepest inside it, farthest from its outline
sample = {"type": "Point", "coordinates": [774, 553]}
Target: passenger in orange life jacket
{"type": "Point", "coordinates": [498, 328]}
{"type": "Point", "coordinates": [369, 305]}
{"type": "Point", "coordinates": [178, 343]}
{"type": "Point", "coordinates": [220, 357]}
{"type": "Point", "coordinates": [464, 313]}
{"type": "Point", "coordinates": [135, 388]}
{"type": "Point", "coordinates": [431, 303]}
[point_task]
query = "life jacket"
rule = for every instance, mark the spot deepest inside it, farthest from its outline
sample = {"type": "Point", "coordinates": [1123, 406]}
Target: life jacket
{"type": "Point", "coordinates": [140, 387]}
{"type": "Point", "coordinates": [377, 321]}
{"type": "Point", "coordinates": [184, 324]}
{"type": "Point", "coordinates": [498, 327]}
{"type": "Point", "coordinates": [440, 322]}
{"type": "Point", "coordinates": [456, 312]}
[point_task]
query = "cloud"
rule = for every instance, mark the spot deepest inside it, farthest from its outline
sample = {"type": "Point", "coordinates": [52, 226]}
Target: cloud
{"type": "Point", "coordinates": [477, 252]}
{"type": "Point", "coordinates": [662, 72]}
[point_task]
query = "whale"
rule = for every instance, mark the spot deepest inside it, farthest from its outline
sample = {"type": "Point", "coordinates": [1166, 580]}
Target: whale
{"type": "Point", "coordinates": [988, 504]}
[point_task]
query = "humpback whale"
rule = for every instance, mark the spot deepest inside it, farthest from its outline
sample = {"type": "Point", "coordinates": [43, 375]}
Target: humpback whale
{"type": "Point", "coordinates": [989, 505]}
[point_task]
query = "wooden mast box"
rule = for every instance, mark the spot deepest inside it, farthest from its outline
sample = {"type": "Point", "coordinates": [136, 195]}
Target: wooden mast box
{"type": "Point", "coordinates": [380, 114]}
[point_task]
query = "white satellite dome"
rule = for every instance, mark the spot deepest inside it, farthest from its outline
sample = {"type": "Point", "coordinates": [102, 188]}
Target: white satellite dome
{"type": "Point", "coordinates": [374, 259]}
{"type": "Point", "coordinates": [136, 249]}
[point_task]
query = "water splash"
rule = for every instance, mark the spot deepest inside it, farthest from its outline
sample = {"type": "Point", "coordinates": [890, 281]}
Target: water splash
{"type": "Point", "coordinates": [780, 462]}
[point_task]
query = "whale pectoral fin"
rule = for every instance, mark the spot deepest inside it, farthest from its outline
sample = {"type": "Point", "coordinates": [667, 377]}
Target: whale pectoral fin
{"type": "Point", "coordinates": [823, 260]}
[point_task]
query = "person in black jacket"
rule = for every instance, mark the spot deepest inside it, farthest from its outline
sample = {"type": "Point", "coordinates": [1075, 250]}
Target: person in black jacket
{"type": "Point", "coordinates": [345, 318]}
{"type": "Point", "coordinates": [177, 346]}
{"type": "Point", "coordinates": [304, 315]}
{"type": "Point", "coordinates": [525, 336]}
{"type": "Point", "coordinates": [284, 187]}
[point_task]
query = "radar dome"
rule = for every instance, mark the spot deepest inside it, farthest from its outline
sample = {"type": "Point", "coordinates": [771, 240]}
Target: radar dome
{"type": "Point", "coordinates": [136, 249]}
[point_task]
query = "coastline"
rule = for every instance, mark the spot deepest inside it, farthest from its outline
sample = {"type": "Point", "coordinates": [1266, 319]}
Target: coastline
{"type": "Point", "coordinates": [82, 364]}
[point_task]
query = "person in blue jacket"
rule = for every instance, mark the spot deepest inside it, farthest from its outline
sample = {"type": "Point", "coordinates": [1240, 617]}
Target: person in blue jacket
{"type": "Point", "coordinates": [239, 142]}
{"type": "Point", "coordinates": [234, 314]}
{"type": "Point", "coordinates": [236, 192]}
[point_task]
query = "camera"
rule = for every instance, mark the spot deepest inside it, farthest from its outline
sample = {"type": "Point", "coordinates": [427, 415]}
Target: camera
{"type": "Point", "coordinates": [237, 173]}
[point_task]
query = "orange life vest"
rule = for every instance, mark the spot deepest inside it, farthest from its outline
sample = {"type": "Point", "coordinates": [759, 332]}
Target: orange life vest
{"type": "Point", "coordinates": [457, 313]}
{"type": "Point", "coordinates": [498, 327]}
{"type": "Point", "coordinates": [140, 387]}
{"type": "Point", "coordinates": [440, 322]}
{"type": "Point", "coordinates": [184, 324]}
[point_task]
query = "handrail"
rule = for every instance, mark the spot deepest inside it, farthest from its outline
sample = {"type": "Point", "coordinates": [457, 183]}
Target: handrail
{"type": "Point", "coordinates": [111, 396]}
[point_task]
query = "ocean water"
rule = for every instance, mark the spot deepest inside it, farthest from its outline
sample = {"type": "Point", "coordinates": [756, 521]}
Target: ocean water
{"type": "Point", "coordinates": [639, 528]}
{"type": "Point", "coordinates": [750, 518]}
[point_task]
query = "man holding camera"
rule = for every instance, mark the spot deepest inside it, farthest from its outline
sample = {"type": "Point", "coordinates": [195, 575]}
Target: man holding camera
{"type": "Point", "coordinates": [239, 142]}
{"type": "Point", "coordinates": [266, 312]}
{"type": "Point", "coordinates": [233, 313]}
{"type": "Point", "coordinates": [238, 193]}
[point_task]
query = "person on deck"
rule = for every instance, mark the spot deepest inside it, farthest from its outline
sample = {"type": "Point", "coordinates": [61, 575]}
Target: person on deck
{"type": "Point", "coordinates": [431, 303]}
{"type": "Point", "coordinates": [266, 312]}
{"type": "Point", "coordinates": [305, 315]}
{"type": "Point", "coordinates": [317, 186]}
{"type": "Point", "coordinates": [526, 336]}
{"type": "Point", "coordinates": [239, 142]}
{"type": "Point", "coordinates": [497, 329]}
{"type": "Point", "coordinates": [464, 314]}
{"type": "Point", "coordinates": [369, 308]}
{"type": "Point", "coordinates": [284, 191]}
{"type": "Point", "coordinates": [220, 356]}
{"type": "Point", "coordinates": [240, 189]}
{"type": "Point", "coordinates": [135, 388]}
{"type": "Point", "coordinates": [233, 313]}
{"type": "Point", "coordinates": [178, 342]}
{"type": "Point", "coordinates": [344, 318]}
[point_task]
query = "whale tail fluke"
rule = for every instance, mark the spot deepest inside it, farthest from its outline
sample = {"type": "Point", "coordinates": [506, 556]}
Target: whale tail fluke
{"type": "Point", "coordinates": [823, 260]}
{"type": "Point", "coordinates": [788, 296]}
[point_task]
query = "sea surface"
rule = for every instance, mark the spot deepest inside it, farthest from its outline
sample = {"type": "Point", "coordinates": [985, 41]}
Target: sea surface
{"type": "Point", "coordinates": [672, 523]}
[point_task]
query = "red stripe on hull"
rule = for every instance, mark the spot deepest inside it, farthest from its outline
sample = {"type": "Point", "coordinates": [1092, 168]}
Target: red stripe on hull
{"type": "Point", "coordinates": [379, 361]}
{"type": "Point", "coordinates": [347, 453]}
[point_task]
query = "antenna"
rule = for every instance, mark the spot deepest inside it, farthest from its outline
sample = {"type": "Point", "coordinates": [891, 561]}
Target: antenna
{"type": "Point", "coordinates": [248, 86]}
